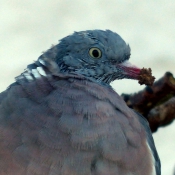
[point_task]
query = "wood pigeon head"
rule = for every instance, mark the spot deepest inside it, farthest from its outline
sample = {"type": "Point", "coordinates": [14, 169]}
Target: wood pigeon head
{"type": "Point", "coordinates": [99, 55]}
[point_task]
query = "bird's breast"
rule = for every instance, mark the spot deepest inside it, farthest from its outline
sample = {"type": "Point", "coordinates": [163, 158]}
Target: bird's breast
{"type": "Point", "coordinates": [74, 127]}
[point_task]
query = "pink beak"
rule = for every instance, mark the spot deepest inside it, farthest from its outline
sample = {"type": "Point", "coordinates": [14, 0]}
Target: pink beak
{"type": "Point", "coordinates": [131, 71]}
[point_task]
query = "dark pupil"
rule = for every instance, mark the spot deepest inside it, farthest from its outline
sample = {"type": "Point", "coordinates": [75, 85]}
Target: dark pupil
{"type": "Point", "coordinates": [95, 53]}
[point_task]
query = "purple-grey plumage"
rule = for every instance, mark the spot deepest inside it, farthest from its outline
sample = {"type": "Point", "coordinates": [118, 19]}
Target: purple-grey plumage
{"type": "Point", "coordinates": [61, 116]}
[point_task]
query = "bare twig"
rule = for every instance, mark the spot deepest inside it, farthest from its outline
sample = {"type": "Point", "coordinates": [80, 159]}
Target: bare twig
{"type": "Point", "coordinates": [155, 103]}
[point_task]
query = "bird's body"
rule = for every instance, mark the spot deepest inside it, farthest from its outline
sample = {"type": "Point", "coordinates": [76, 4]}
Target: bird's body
{"type": "Point", "coordinates": [62, 117]}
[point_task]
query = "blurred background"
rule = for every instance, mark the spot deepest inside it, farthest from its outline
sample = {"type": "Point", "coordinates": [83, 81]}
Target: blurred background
{"type": "Point", "coordinates": [29, 27]}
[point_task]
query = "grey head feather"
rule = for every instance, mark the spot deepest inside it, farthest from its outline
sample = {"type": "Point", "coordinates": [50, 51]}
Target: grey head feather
{"type": "Point", "coordinates": [72, 55]}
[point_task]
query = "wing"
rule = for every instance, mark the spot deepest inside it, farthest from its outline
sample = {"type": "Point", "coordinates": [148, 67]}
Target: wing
{"type": "Point", "coordinates": [151, 143]}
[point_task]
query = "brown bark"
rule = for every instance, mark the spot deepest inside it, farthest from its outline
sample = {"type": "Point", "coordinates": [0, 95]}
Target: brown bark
{"type": "Point", "coordinates": [156, 103]}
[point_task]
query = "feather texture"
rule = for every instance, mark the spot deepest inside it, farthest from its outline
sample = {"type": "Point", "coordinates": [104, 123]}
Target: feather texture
{"type": "Point", "coordinates": [65, 121]}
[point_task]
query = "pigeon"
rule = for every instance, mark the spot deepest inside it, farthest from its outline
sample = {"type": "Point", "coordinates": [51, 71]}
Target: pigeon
{"type": "Point", "coordinates": [61, 116]}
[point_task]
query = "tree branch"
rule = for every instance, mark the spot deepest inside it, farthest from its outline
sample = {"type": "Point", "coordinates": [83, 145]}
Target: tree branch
{"type": "Point", "coordinates": [156, 103]}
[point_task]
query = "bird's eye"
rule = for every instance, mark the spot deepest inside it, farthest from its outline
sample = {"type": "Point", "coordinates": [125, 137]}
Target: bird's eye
{"type": "Point", "coordinates": [95, 52]}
